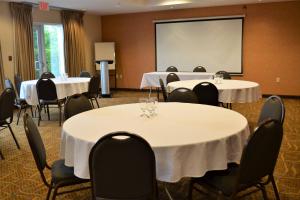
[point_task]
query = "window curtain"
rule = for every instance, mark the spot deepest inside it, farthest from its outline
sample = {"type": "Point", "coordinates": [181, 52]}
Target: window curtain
{"type": "Point", "coordinates": [23, 40]}
{"type": "Point", "coordinates": [1, 72]}
{"type": "Point", "coordinates": [73, 41]}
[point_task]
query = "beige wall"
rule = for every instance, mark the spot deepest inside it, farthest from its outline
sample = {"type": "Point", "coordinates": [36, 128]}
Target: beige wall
{"type": "Point", "coordinates": [271, 43]}
{"type": "Point", "coordinates": [92, 32]}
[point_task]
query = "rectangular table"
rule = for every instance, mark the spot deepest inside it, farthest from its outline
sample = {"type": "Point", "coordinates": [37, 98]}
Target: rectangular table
{"type": "Point", "coordinates": [151, 79]}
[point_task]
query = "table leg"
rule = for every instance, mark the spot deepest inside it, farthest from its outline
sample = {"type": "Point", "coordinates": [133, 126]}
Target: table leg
{"type": "Point", "coordinates": [157, 90]}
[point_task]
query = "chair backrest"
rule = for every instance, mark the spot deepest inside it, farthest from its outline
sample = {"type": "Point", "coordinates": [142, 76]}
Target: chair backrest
{"type": "Point", "coordinates": [225, 74]}
{"type": "Point", "coordinates": [163, 89]}
{"type": "Point", "coordinates": [207, 93]}
{"type": "Point", "coordinates": [94, 85]}
{"type": "Point", "coordinates": [122, 168]}
{"type": "Point", "coordinates": [273, 108]}
{"type": "Point", "coordinates": [7, 105]}
{"type": "Point", "coordinates": [8, 84]}
{"type": "Point", "coordinates": [172, 77]}
{"type": "Point", "coordinates": [35, 142]}
{"type": "Point", "coordinates": [76, 104]}
{"type": "Point", "coordinates": [46, 89]}
{"type": "Point", "coordinates": [171, 69]}
{"type": "Point", "coordinates": [261, 152]}
{"type": "Point", "coordinates": [199, 69]}
{"type": "Point", "coordinates": [18, 82]}
{"type": "Point", "coordinates": [47, 75]}
{"type": "Point", "coordinates": [183, 95]}
{"type": "Point", "coordinates": [85, 74]}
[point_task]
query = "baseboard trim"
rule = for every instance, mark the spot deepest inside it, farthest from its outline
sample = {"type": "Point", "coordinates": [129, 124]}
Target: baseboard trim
{"type": "Point", "coordinates": [283, 96]}
{"type": "Point", "coordinates": [132, 89]}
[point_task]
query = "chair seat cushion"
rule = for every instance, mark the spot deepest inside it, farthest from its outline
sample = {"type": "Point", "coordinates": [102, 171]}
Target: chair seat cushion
{"type": "Point", "coordinates": [221, 180]}
{"type": "Point", "coordinates": [52, 102]}
{"type": "Point", "coordinates": [63, 174]}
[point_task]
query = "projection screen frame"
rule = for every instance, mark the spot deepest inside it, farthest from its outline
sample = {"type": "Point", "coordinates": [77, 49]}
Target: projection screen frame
{"type": "Point", "coordinates": [217, 18]}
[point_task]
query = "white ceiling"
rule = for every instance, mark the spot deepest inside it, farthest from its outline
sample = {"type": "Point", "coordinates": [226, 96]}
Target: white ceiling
{"type": "Point", "coordinates": [105, 7]}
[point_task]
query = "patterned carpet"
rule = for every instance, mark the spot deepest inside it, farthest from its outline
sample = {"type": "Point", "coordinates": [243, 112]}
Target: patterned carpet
{"type": "Point", "coordinates": [20, 179]}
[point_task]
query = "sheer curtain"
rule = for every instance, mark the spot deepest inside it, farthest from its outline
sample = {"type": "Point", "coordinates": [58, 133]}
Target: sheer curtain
{"type": "Point", "coordinates": [1, 72]}
{"type": "Point", "coordinates": [23, 38]}
{"type": "Point", "coordinates": [73, 41]}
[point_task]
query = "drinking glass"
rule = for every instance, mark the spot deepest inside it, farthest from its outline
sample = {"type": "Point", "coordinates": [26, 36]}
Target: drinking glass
{"type": "Point", "coordinates": [152, 106]}
{"type": "Point", "coordinates": [143, 103]}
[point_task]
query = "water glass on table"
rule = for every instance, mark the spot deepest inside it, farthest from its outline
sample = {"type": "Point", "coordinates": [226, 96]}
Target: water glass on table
{"type": "Point", "coordinates": [218, 78]}
{"type": "Point", "coordinates": [148, 106]}
{"type": "Point", "coordinates": [152, 106]}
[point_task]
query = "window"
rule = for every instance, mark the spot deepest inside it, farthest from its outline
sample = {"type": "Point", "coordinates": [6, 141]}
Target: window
{"type": "Point", "coordinates": [48, 49]}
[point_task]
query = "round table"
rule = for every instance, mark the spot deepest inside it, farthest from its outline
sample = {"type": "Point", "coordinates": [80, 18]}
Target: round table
{"type": "Point", "coordinates": [230, 91]}
{"type": "Point", "coordinates": [64, 87]}
{"type": "Point", "coordinates": [187, 139]}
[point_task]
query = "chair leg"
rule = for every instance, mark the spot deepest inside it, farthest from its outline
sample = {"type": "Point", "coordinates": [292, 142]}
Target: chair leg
{"type": "Point", "coordinates": [19, 113]}
{"type": "Point", "coordinates": [264, 193]}
{"type": "Point", "coordinates": [54, 193]}
{"type": "Point", "coordinates": [31, 111]}
{"type": "Point", "coordinates": [40, 117]}
{"type": "Point", "coordinates": [12, 133]}
{"type": "Point", "coordinates": [59, 107]}
{"type": "Point", "coordinates": [275, 188]}
{"type": "Point", "coordinates": [49, 192]}
{"type": "Point", "coordinates": [97, 102]}
{"type": "Point", "coordinates": [48, 112]}
{"type": "Point", "coordinates": [191, 187]}
{"type": "Point", "coordinates": [91, 100]}
{"type": "Point", "coordinates": [1, 155]}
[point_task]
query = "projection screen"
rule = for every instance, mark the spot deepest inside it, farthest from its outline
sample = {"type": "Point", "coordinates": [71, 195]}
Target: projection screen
{"type": "Point", "coordinates": [215, 44]}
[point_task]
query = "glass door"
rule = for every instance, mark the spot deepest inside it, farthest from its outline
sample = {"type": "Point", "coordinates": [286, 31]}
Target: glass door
{"type": "Point", "coordinates": [48, 49]}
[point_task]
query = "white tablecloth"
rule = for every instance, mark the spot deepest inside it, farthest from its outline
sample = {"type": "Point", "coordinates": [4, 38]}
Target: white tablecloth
{"type": "Point", "coordinates": [151, 79]}
{"type": "Point", "coordinates": [230, 91]}
{"type": "Point", "coordinates": [64, 88]}
{"type": "Point", "coordinates": [188, 139]}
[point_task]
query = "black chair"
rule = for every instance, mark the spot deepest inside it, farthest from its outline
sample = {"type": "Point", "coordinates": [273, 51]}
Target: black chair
{"type": "Point", "coordinates": [225, 74]}
{"type": "Point", "coordinates": [199, 69]}
{"type": "Point", "coordinates": [207, 93]}
{"type": "Point", "coordinates": [76, 104]}
{"type": "Point", "coordinates": [61, 175]}
{"type": "Point", "coordinates": [47, 95]}
{"type": "Point", "coordinates": [47, 75]}
{"type": "Point", "coordinates": [171, 69]}
{"type": "Point", "coordinates": [85, 74]}
{"type": "Point", "coordinates": [21, 104]}
{"type": "Point", "coordinates": [122, 168]}
{"type": "Point", "coordinates": [7, 112]}
{"type": "Point", "coordinates": [163, 89]}
{"type": "Point", "coordinates": [273, 108]}
{"type": "Point", "coordinates": [172, 77]}
{"type": "Point", "coordinates": [18, 82]}
{"type": "Point", "coordinates": [93, 91]}
{"type": "Point", "coordinates": [183, 95]}
{"type": "Point", "coordinates": [256, 166]}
